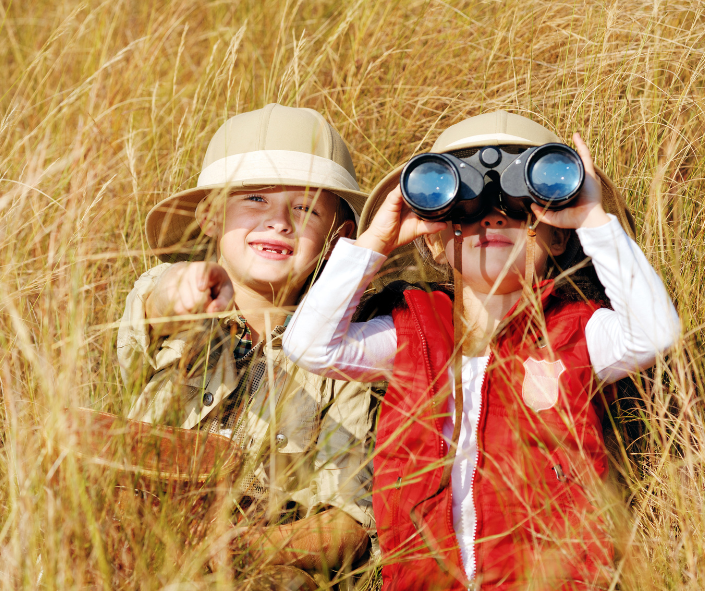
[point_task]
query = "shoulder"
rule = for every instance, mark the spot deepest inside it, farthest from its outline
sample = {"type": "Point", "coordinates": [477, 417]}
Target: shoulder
{"type": "Point", "coordinates": [146, 282]}
{"type": "Point", "coordinates": [392, 297]}
{"type": "Point", "coordinates": [135, 314]}
{"type": "Point", "coordinates": [582, 286]}
{"type": "Point", "coordinates": [566, 315]}
{"type": "Point", "coordinates": [156, 272]}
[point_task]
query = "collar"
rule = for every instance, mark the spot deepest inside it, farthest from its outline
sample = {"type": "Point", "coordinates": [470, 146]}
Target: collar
{"type": "Point", "coordinates": [238, 319]}
{"type": "Point", "coordinates": [542, 290]}
{"type": "Point", "coordinates": [525, 310]}
{"type": "Point", "coordinates": [235, 317]}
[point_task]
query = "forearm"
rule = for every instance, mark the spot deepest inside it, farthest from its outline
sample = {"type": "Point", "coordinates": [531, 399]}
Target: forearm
{"type": "Point", "coordinates": [321, 337]}
{"type": "Point", "coordinates": [643, 322]}
{"type": "Point", "coordinates": [158, 308]}
{"type": "Point", "coordinates": [328, 539]}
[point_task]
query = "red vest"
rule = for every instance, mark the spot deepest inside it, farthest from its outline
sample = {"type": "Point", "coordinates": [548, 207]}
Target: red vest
{"type": "Point", "coordinates": [540, 448]}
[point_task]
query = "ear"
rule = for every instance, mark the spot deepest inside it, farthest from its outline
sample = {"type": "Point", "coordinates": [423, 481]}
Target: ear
{"type": "Point", "coordinates": [559, 241]}
{"type": "Point", "coordinates": [437, 248]}
{"type": "Point", "coordinates": [345, 230]}
{"type": "Point", "coordinates": [205, 218]}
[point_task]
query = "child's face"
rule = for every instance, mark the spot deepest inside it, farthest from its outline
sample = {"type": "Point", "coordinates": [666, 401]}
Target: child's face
{"type": "Point", "coordinates": [494, 251]}
{"type": "Point", "coordinates": [271, 240]}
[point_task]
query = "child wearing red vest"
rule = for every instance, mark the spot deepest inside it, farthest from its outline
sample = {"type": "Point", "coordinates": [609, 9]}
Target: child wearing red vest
{"type": "Point", "coordinates": [519, 511]}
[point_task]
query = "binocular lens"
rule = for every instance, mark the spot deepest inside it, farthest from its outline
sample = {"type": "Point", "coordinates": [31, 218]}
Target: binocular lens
{"type": "Point", "coordinates": [446, 187]}
{"type": "Point", "coordinates": [431, 185]}
{"type": "Point", "coordinates": [555, 175]}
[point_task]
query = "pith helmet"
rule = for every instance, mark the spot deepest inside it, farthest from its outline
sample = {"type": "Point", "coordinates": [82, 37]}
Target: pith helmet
{"type": "Point", "coordinates": [497, 128]}
{"type": "Point", "coordinates": [275, 146]}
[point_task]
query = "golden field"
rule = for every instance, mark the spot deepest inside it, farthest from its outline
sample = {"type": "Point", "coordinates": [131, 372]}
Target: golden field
{"type": "Point", "coordinates": [107, 108]}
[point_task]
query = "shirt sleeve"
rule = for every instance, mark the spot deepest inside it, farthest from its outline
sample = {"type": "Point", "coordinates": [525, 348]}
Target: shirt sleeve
{"type": "Point", "coordinates": [321, 337]}
{"type": "Point", "coordinates": [133, 340]}
{"type": "Point", "coordinates": [643, 322]}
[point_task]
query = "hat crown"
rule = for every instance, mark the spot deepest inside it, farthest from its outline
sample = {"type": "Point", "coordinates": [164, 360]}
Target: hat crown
{"type": "Point", "coordinates": [493, 129]}
{"type": "Point", "coordinates": [276, 127]}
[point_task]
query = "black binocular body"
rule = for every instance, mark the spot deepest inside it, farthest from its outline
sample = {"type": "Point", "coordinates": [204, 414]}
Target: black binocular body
{"type": "Point", "coordinates": [446, 187]}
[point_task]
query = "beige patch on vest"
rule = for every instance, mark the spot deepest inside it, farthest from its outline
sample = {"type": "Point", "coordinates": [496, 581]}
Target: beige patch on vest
{"type": "Point", "coordinates": [540, 388]}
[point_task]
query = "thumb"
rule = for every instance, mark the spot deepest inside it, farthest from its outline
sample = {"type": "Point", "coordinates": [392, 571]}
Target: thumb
{"type": "Point", "coordinates": [547, 216]}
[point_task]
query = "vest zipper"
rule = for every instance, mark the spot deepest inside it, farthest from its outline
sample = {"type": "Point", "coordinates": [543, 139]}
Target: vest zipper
{"type": "Point", "coordinates": [431, 380]}
{"type": "Point", "coordinates": [473, 478]}
{"type": "Point", "coordinates": [439, 430]}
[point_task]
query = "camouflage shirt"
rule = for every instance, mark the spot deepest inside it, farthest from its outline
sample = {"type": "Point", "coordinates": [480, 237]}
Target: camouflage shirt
{"type": "Point", "coordinates": [315, 430]}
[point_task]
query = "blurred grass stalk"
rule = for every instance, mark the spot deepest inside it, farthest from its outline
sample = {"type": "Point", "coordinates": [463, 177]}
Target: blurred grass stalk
{"type": "Point", "coordinates": [107, 107]}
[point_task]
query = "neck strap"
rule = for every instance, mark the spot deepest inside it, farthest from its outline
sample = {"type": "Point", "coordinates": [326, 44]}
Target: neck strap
{"type": "Point", "coordinates": [530, 267]}
{"type": "Point", "coordinates": [458, 337]}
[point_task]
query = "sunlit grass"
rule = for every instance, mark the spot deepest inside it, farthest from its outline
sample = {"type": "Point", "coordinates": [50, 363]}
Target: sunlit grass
{"type": "Point", "coordinates": [107, 107]}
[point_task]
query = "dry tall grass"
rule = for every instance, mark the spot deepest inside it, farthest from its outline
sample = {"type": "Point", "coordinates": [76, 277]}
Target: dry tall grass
{"type": "Point", "coordinates": [107, 107]}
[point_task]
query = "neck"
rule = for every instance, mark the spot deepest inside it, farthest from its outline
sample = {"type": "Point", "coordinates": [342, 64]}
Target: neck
{"type": "Point", "coordinates": [483, 314]}
{"type": "Point", "coordinates": [256, 306]}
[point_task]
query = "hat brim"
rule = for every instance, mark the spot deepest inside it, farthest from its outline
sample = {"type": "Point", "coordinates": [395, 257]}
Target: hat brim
{"type": "Point", "coordinates": [406, 264]}
{"type": "Point", "coordinates": [174, 235]}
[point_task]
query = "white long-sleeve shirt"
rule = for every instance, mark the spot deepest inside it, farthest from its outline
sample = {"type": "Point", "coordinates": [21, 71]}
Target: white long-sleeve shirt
{"type": "Point", "coordinates": [322, 339]}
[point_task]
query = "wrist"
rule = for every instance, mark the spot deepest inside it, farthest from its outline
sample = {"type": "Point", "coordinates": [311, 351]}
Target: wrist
{"type": "Point", "coordinates": [595, 217]}
{"type": "Point", "coordinates": [158, 304]}
{"type": "Point", "coordinates": [151, 307]}
{"type": "Point", "coordinates": [371, 242]}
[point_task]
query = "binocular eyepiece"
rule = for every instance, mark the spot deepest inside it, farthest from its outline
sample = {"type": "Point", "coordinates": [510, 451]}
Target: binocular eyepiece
{"type": "Point", "coordinates": [444, 187]}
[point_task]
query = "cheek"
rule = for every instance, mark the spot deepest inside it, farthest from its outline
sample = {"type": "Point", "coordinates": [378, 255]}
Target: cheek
{"type": "Point", "coordinates": [309, 246]}
{"type": "Point", "coordinates": [544, 236]}
{"type": "Point", "coordinates": [450, 251]}
{"type": "Point", "coordinates": [238, 222]}
{"type": "Point", "coordinates": [232, 238]}
{"type": "Point", "coordinates": [540, 258]}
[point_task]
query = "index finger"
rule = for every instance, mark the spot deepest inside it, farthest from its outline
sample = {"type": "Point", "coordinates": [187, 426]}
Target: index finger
{"type": "Point", "coordinates": [584, 153]}
{"type": "Point", "coordinates": [212, 275]}
{"type": "Point", "coordinates": [224, 294]}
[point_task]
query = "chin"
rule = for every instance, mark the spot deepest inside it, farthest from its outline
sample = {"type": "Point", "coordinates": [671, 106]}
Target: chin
{"type": "Point", "coordinates": [509, 283]}
{"type": "Point", "coordinates": [277, 283]}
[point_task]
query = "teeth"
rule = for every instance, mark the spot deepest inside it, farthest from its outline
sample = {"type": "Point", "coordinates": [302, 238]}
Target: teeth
{"type": "Point", "coordinates": [263, 248]}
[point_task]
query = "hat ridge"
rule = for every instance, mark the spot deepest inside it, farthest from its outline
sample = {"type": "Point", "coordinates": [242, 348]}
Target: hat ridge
{"type": "Point", "coordinates": [264, 124]}
{"type": "Point", "coordinates": [328, 138]}
{"type": "Point", "coordinates": [502, 121]}
{"type": "Point", "coordinates": [321, 134]}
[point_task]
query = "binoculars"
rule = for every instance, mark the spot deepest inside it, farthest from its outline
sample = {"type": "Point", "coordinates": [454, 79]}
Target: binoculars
{"type": "Point", "coordinates": [464, 189]}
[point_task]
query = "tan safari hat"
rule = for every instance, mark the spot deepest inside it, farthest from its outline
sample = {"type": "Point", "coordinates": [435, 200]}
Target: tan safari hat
{"type": "Point", "coordinates": [498, 128]}
{"type": "Point", "coordinates": [271, 147]}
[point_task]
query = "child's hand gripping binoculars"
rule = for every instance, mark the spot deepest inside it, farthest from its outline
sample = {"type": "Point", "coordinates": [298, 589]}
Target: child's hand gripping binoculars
{"type": "Point", "coordinates": [445, 187]}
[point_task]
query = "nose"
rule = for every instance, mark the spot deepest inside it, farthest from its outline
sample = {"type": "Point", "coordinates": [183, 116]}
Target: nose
{"type": "Point", "coordinates": [279, 219]}
{"type": "Point", "coordinates": [496, 218]}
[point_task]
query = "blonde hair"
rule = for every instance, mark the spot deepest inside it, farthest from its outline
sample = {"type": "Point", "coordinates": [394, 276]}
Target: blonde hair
{"type": "Point", "coordinates": [444, 269]}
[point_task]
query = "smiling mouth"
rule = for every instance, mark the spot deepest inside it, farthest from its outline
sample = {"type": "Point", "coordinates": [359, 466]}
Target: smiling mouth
{"type": "Point", "coordinates": [272, 249]}
{"type": "Point", "coordinates": [277, 249]}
